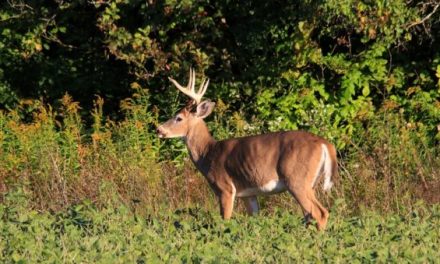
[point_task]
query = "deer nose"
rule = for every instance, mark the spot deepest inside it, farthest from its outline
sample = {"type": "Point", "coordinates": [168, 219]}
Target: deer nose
{"type": "Point", "coordinates": [159, 132]}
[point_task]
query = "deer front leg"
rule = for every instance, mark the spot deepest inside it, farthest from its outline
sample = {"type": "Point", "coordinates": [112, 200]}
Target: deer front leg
{"type": "Point", "coordinates": [227, 204]}
{"type": "Point", "coordinates": [251, 204]}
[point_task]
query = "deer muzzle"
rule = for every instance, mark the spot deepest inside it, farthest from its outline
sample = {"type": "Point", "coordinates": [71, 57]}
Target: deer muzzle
{"type": "Point", "coordinates": [161, 132]}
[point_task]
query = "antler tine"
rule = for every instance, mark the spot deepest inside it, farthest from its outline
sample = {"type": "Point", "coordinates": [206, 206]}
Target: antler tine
{"type": "Point", "coordinates": [193, 78]}
{"type": "Point", "coordinates": [189, 90]}
{"type": "Point", "coordinates": [203, 87]}
{"type": "Point", "coordinates": [178, 86]}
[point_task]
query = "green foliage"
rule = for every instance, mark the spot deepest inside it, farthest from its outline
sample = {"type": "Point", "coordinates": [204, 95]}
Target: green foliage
{"type": "Point", "coordinates": [344, 69]}
{"type": "Point", "coordinates": [327, 66]}
{"type": "Point", "coordinates": [85, 234]}
{"type": "Point", "coordinates": [48, 49]}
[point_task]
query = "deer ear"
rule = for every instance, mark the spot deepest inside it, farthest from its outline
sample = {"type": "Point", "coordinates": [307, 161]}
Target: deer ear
{"type": "Point", "coordinates": [204, 108]}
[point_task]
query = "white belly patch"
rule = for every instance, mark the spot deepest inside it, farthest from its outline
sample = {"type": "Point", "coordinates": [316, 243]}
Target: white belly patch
{"type": "Point", "coordinates": [273, 186]}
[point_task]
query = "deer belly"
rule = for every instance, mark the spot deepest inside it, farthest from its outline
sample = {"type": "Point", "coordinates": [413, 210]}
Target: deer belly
{"type": "Point", "coordinates": [271, 187]}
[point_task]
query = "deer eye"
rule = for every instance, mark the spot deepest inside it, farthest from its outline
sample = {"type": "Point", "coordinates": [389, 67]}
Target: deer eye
{"type": "Point", "coordinates": [178, 119]}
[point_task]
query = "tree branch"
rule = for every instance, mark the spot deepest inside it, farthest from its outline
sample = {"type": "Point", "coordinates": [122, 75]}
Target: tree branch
{"type": "Point", "coordinates": [425, 18]}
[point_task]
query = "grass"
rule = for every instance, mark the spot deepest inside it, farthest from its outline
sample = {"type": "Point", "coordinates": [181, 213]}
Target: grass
{"type": "Point", "coordinates": [85, 234]}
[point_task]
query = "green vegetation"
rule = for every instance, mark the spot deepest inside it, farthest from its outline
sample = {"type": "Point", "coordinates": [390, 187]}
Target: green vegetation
{"type": "Point", "coordinates": [107, 196]}
{"type": "Point", "coordinates": [83, 178]}
{"type": "Point", "coordinates": [83, 234]}
{"type": "Point", "coordinates": [58, 164]}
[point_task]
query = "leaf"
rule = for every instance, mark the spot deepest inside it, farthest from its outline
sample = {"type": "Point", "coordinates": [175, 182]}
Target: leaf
{"type": "Point", "coordinates": [366, 89]}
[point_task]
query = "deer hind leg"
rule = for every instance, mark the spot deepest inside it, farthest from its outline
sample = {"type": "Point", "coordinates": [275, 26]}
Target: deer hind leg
{"type": "Point", "coordinates": [310, 206]}
{"type": "Point", "coordinates": [323, 214]}
{"type": "Point", "coordinates": [251, 204]}
{"type": "Point", "coordinates": [299, 177]}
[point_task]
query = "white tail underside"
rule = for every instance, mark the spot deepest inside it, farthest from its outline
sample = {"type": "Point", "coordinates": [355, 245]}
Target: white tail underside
{"type": "Point", "coordinates": [324, 169]}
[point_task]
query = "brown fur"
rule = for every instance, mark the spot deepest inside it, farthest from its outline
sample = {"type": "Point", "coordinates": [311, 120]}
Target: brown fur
{"type": "Point", "coordinates": [236, 164]}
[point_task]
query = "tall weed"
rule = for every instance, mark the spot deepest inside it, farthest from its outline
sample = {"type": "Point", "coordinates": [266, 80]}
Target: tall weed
{"type": "Point", "coordinates": [390, 164]}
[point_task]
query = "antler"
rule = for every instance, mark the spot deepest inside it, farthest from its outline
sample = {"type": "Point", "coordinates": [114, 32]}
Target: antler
{"type": "Point", "coordinates": [189, 89]}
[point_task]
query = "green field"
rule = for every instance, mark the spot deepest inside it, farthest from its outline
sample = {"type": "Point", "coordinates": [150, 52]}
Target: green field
{"type": "Point", "coordinates": [83, 234]}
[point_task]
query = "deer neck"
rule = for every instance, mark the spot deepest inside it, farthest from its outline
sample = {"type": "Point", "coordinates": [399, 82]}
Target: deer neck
{"type": "Point", "coordinates": [199, 143]}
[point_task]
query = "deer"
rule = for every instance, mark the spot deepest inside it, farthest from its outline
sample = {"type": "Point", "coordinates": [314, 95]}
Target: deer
{"type": "Point", "coordinates": [249, 166]}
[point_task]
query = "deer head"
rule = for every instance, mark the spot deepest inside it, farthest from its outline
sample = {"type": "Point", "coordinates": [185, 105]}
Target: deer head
{"type": "Point", "coordinates": [187, 118]}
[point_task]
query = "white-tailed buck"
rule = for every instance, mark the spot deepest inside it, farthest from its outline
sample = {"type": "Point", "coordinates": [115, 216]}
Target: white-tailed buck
{"type": "Point", "coordinates": [255, 165]}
